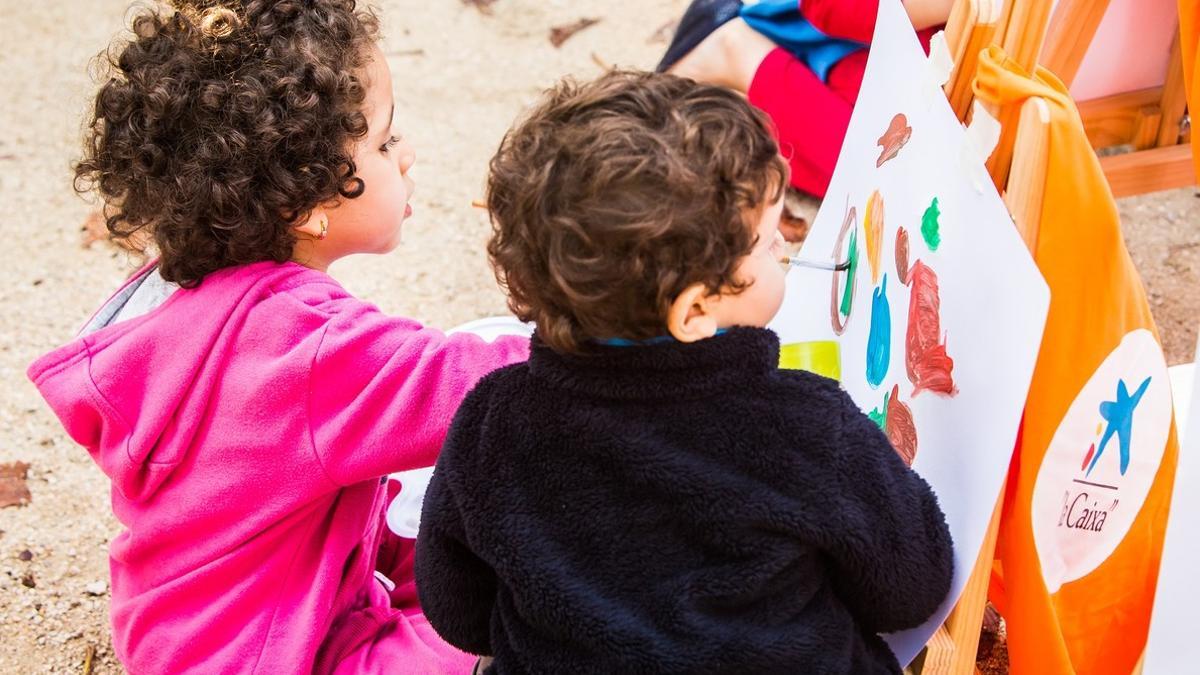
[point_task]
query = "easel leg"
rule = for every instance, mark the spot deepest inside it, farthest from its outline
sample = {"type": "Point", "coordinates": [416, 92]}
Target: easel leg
{"type": "Point", "coordinates": [952, 649]}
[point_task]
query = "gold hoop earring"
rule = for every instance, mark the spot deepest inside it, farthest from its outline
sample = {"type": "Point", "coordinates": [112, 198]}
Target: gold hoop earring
{"type": "Point", "coordinates": [324, 228]}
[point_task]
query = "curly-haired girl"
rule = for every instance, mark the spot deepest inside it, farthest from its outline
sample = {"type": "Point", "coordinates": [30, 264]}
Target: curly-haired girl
{"type": "Point", "coordinates": [245, 406]}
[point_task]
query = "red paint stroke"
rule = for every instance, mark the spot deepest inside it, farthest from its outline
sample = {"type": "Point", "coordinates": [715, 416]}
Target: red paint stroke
{"type": "Point", "coordinates": [897, 134]}
{"type": "Point", "coordinates": [900, 428]}
{"type": "Point", "coordinates": [902, 256]}
{"type": "Point", "coordinates": [1091, 451]}
{"type": "Point", "coordinates": [929, 366]}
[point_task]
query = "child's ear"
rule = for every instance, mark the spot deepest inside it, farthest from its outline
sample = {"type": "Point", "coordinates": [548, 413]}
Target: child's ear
{"type": "Point", "coordinates": [317, 225]}
{"type": "Point", "coordinates": [691, 316]}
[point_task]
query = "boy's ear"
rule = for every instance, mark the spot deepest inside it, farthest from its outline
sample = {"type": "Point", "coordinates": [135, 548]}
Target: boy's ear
{"type": "Point", "coordinates": [692, 316]}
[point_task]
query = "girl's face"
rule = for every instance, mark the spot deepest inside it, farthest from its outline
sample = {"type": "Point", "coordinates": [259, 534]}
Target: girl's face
{"type": "Point", "coordinates": [371, 222]}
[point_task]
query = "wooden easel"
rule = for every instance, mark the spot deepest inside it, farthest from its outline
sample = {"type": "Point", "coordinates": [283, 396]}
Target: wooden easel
{"type": "Point", "coordinates": [1018, 165]}
{"type": "Point", "coordinates": [1150, 123]}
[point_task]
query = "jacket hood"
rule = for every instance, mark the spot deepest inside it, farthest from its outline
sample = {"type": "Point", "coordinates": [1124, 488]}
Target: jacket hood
{"type": "Point", "coordinates": [134, 392]}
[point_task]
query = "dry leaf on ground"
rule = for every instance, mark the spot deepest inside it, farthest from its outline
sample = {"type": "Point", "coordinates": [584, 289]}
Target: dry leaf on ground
{"type": "Point", "coordinates": [484, 6]}
{"type": "Point", "coordinates": [560, 34]}
{"type": "Point", "coordinates": [89, 658]}
{"type": "Point", "coordinates": [13, 490]}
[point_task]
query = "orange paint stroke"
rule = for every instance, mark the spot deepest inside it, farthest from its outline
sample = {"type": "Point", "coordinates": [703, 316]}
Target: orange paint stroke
{"type": "Point", "coordinates": [873, 224]}
{"type": "Point", "coordinates": [902, 256]}
{"type": "Point", "coordinates": [897, 134]}
{"type": "Point", "coordinates": [930, 368]}
{"type": "Point", "coordinates": [900, 428]}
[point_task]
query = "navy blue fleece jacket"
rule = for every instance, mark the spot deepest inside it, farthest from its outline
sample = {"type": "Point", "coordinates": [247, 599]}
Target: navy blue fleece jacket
{"type": "Point", "coordinates": [675, 508]}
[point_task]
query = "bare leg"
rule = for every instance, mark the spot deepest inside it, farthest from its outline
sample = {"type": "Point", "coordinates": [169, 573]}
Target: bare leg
{"type": "Point", "coordinates": [928, 13]}
{"type": "Point", "coordinates": [728, 57]}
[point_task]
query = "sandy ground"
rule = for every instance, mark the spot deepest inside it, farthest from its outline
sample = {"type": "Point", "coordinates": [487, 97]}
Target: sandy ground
{"type": "Point", "coordinates": [461, 77]}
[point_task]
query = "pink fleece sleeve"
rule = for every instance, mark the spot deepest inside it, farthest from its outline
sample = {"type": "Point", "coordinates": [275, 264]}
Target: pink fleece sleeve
{"type": "Point", "coordinates": [384, 390]}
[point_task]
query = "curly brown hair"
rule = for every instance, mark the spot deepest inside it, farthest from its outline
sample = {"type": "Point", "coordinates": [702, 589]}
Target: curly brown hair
{"type": "Point", "coordinates": [611, 198]}
{"type": "Point", "coordinates": [222, 123]}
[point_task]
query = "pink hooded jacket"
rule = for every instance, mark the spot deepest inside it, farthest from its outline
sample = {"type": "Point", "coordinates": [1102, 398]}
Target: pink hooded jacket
{"type": "Point", "coordinates": [246, 425]}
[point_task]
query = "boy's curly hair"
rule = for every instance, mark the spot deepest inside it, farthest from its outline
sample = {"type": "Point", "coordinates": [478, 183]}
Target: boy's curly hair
{"type": "Point", "coordinates": [611, 198]}
{"type": "Point", "coordinates": [224, 122]}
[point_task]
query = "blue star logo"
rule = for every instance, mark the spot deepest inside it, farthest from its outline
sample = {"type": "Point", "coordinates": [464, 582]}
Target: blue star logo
{"type": "Point", "coordinates": [1119, 415]}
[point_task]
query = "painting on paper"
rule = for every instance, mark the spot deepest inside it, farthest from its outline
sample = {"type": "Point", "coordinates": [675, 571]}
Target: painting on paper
{"type": "Point", "coordinates": [939, 309]}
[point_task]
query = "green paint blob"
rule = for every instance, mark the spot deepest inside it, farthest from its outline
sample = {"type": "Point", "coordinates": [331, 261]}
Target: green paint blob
{"type": "Point", "coordinates": [848, 292]}
{"type": "Point", "coordinates": [930, 228]}
{"type": "Point", "coordinates": [879, 415]}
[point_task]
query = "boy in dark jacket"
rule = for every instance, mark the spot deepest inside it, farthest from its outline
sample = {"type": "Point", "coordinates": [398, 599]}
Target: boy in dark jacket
{"type": "Point", "coordinates": [650, 493]}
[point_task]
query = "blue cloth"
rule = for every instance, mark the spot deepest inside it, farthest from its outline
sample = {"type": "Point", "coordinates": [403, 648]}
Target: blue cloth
{"type": "Point", "coordinates": [781, 21]}
{"type": "Point", "coordinates": [623, 342]}
{"type": "Point", "coordinates": [661, 339]}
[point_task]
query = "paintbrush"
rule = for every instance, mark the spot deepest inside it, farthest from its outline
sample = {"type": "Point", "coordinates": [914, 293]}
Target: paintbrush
{"type": "Point", "coordinates": [784, 260]}
{"type": "Point", "coordinates": [814, 264]}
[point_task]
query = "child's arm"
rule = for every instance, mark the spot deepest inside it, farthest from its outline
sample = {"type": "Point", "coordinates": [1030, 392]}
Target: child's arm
{"type": "Point", "coordinates": [891, 549]}
{"type": "Point", "coordinates": [457, 590]}
{"type": "Point", "coordinates": [383, 390]}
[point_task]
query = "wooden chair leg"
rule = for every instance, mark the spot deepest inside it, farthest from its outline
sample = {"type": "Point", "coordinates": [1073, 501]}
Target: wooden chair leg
{"type": "Point", "coordinates": [1025, 32]}
{"type": "Point", "coordinates": [939, 653]}
{"type": "Point", "coordinates": [978, 36]}
{"type": "Point", "coordinates": [1072, 28]}
{"type": "Point", "coordinates": [1174, 99]}
{"type": "Point", "coordinates": [1027, 178]}
{"type": "Point", "coordinates": [966, 620]}
{"type": "Point", "coordinates": [1136, 173]}
{"type": "Point", "coordinates": [959, 28]}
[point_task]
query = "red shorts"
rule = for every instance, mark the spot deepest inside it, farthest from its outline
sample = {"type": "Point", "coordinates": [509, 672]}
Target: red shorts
{"type": "Point", "coordinates": [811, 116]}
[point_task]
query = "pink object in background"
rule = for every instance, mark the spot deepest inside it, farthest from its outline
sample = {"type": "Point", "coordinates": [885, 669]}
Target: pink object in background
{"type": "Point", "coordinates": [1130, 51]}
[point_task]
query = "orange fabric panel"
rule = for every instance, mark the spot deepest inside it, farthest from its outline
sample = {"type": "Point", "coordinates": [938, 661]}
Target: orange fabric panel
{"type": "Point", "coordinates": [1189, 40]}
{"type": "Point", "coordinates": [1080, 540]}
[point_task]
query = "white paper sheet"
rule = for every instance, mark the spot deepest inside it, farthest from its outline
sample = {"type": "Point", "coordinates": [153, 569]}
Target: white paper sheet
{"type": "Point", "coordinates": [1172, 624]}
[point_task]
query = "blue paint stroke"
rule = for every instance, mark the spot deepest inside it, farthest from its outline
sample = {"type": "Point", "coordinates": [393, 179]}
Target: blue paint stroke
{"type": "Point", "coordinates": [879, 340]}
{"type": "Point", "coordinates": [1119, 414]}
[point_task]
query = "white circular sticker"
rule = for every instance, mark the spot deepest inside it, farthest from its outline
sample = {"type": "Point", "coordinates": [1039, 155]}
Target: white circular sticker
{"type": "Point", "coordinates": [1102, 461]}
